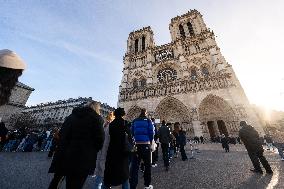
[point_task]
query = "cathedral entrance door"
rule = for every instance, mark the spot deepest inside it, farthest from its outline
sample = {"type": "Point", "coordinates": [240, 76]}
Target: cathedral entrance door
{"type": "Point", "coordinates": [210, 125]}
{"type": "Point", "coordinates": [173, 110]}
{"type": "Point", "coordinates": [222, 128]}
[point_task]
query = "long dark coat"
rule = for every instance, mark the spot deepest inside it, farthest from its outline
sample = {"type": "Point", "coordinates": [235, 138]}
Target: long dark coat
{"type": "Point", "coordinates": [117, 161]}
{"type": "Point", "coordinates": [80, 139]}
{"type": "Point", "coordinates": [250, 138]}
{"type": "Point", "coordinates": [225, 143]}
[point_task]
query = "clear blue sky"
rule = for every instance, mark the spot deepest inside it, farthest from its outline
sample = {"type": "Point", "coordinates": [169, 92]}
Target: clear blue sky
{"type": "Point", "coordinates": [76, 48]}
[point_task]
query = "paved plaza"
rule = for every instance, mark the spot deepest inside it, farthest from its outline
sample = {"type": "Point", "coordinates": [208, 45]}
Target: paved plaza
{"type": "Point", "coordinates": [211, 169]}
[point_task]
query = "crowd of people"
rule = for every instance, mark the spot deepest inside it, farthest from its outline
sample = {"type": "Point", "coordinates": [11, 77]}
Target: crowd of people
{"type": "Point", "coordinates": [113, 152]}
{"type": "Point", "coordinates": [27, 140]}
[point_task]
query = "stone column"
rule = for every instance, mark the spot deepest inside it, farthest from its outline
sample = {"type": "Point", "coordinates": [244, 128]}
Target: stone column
{"type": "Point", "coordinates": [197, 128]}
{"type": "Point", "coordinates": [216, 129]}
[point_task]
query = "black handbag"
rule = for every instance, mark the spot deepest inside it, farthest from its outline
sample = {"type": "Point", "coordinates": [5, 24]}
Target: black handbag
{"type": "Point", "coordinates": [129, 144]}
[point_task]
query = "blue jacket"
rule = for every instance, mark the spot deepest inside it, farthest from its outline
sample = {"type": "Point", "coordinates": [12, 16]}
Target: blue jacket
{"type": "Point", "coordinates": [142, 130]}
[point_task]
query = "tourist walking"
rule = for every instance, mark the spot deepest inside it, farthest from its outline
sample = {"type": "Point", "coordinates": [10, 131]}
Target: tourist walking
{"type": "Point", "coordinates": [165, 138]}
{"type": "Point", "coordinates": [225, 143]}
{"type": "Point", "coordinates": [252, 142]}
{"type": "Point", "coordinates": [117, 159]}
{"type": "Point", "coordinates": [54, 142]}
{"type": "Point", "coordinates": [3, 134]}
{"type": "Point", "coordinates": [269, 142]}
{"type": "Point", "coordinates": [143, 133]}
{"type": "Point", "coordinates": [156, 152]}
{"type": "Point", "coordinates": [101, 158]}
{"type": "Point", "coordinates": [201, 139]}
{"type": "Point", "coordinates": [181, 141]}
{"type": "Point", "coordinates": [80, 139]}
{"type": "Point", "coordinates": [175, 142]}
{"type": "Point", "coordinates": [278, 138]}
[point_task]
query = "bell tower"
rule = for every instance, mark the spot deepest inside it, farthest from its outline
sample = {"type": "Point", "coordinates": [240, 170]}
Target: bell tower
{"type": "Point", "coordinates": [137, 59]}
{"type": "Point", "coordinates": [140, 40]}
{"type": "Point", "coordinates": [187, 26]}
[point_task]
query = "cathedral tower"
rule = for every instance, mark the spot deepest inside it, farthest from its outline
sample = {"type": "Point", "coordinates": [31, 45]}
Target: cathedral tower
{"type": "Point", "coordinates": [187, 80]}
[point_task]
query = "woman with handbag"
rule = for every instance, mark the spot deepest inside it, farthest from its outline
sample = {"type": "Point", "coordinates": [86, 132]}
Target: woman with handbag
{"type": "Point", "coordinates": [101, 158]}
{"type": "Point", "coordinates": [117, 159]}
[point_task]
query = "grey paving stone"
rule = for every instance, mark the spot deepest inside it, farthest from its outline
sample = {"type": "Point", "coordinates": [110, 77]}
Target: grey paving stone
{"type": "Point", "coordinates": [211, 169]}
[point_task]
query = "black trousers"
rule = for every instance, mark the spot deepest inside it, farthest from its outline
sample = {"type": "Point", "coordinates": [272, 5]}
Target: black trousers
{"type": "Point", "coordinates": [165, 150]}
{"type": "Point", "coordinates": [56, 181]}
{"type": "Point", "coordinates": [72, 181]}
{"type": "Point", "coordinates": [143, 153]}
{"type": "Point", "coordinates": [183, 154]}
{"type": "Point", "coordinates": [255, 157]}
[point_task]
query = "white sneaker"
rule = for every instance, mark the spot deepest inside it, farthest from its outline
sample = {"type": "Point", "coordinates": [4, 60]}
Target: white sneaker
{"type": "Point", "coordinates": [149, 187]}
{"type": "Point", "coordinates": [282, 159]}
{"type": "Point", "coordinates": [154, 165]}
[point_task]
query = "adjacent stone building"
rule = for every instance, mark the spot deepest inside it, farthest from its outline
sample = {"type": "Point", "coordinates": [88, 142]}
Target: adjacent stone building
{"type": "Point", "coordinates": [19, 96]}
{"type": "Point", "coordinates": [54, 113]}
{"type": "Point", "coordinates": [187, 80]}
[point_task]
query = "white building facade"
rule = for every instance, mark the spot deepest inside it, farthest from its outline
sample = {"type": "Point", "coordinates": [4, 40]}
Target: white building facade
{"type": "Point", "coordinates": [187, 80]}
{"type": "Point", "coordinates": [54, 113]}
{"type": "Point", "coordinates": [17, 101]}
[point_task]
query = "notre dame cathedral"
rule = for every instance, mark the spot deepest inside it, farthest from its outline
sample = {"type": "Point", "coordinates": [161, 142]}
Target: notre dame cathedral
{"type": "Point", "coordinates": [187, 80]}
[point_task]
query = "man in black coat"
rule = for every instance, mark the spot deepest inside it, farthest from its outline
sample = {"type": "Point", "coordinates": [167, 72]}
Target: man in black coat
{"type": "Point", "coordinates": [80, 139]}
{"type": "Point", "coordinates": [165, 137]}
{"type": "Point", "coordinates": [3, 134]}
{"type": "Point", "coordinates": [252, 142]}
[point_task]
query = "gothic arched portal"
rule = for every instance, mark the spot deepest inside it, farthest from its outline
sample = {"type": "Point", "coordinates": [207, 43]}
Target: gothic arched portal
{"type": "Point", "coordinates": [218, 115]}
{"type": "Point", "coordinates": [173, 110]}
{"type": "Point", "coordinates": [133, 113]}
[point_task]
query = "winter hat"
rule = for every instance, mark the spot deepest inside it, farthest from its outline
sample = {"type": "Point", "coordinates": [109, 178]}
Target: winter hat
{"type": "Point", "coordinates": [9, 59]}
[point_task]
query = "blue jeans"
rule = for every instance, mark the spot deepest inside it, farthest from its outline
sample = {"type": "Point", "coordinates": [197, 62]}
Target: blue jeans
{"type": "Point", "coordinates": [98, 182]}
{"type": "Point", "coordinates": [48, 145]}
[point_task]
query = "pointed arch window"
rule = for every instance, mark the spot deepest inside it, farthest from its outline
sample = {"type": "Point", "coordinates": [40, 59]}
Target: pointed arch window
{"type": "Point", "coordinates": [190, 29]}
{"type": "Point", "coordinates": [143, 43]}
{"type": "Point", "coordinates": [205, 71]}
{"type": "Point", "coordinates": [135, 83]}
{"type": "Point", "coordinates": [181, 31]}
{"type": "Point", "coordinates": [193, 74]}
{"type": "Point", "coordinates": [136, 45]}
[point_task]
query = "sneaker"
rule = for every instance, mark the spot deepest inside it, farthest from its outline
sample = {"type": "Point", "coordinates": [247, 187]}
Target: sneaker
{"type": "Point", "coordinates": [154, 165]}
{"type": "Point", "coordinates": [282, 159]}
{"type": "Point", "coordinates": [149, 187]}
{"type": "Point", "coordinates": [256, 171]}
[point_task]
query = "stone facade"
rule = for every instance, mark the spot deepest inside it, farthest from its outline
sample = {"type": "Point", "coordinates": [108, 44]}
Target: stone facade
{"type": "Point", "coordinates": [19, 96]}
{"type": "Point", "coordinates": [187, 80]}
{"type": "Point", "coordinates": [54, 113]}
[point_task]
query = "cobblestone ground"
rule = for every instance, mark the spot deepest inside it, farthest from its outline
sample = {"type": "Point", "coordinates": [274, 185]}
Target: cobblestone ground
{"type": "Point", "coordinates": [212, 168]}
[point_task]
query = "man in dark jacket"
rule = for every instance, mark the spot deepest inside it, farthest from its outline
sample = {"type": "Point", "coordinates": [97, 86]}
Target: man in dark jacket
{"type": "Point", "coordinates": [80, 138]}
{"type": "Point", "coordinates": [252, 142]}
{"type": "Point", "coordinates": [165, 138]}
{"type": "Point", "coordinates": [143, 132]}
{"type": "Point", "coordinates": [3, 134]}
{"type": "Point", "coordinates": [182, 144]}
